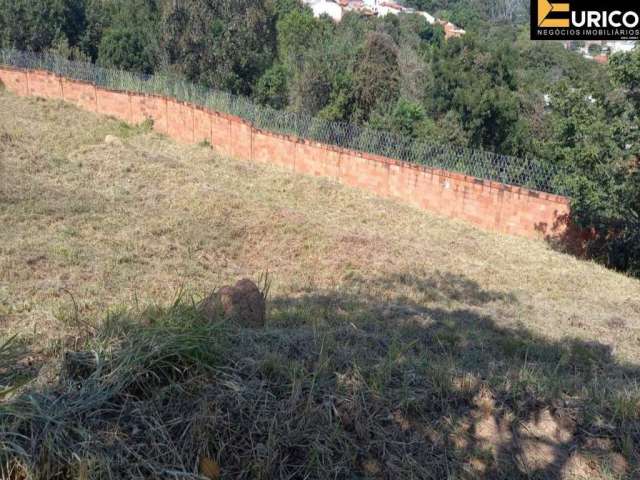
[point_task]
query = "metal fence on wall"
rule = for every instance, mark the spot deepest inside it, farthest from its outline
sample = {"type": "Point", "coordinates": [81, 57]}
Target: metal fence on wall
{"type": "Point", "coordinates": [530, 173]}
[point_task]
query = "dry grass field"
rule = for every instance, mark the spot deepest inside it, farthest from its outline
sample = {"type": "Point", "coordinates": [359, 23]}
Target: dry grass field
{"type": "Point", "coordinates": [398, 344]}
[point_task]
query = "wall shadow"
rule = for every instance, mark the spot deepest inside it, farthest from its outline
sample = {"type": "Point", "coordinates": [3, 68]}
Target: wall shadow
{"type": "Point", "coordinates": [566, 237]}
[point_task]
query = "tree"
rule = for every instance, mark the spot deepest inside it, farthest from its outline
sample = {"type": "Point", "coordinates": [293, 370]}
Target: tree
{"type": "Point", "coordinates": [583, 136]}
{"type": "Point", "coordinates": [479, 84]}
{"type": "Point", "coordinates": [625, 72]}
{"type": "Point", "coordinates": [597, 139]}
{"type": "Point", "coordinates": [132, 30]}
{"type": "Point", "coordinates": [311, 84]}
{"type": "Point", "coordinates": [340, 105]}
{"type": "Point", "coordinates": [128, 48]}
{"type": "Point", "coordinates": [595, 49]}
{"type": "Point", "coordinates": [377, 74]}
{"type": "Point", "coordinates": [37, 25]}
{"type": "Point", "coordinates": [272, 88]}
{"type": "Point", "coordinates": [297, 31]}
{"type": "Point", "coordinates": [226, 44]}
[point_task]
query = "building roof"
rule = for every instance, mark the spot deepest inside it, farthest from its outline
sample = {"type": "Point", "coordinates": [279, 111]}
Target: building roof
{"type": "Point", "coordinates": [335, 8]}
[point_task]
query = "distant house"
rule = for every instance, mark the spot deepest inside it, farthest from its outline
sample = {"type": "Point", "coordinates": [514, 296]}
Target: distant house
{"type": "Point", "coordinates": [602, 58]}
{"type": "Point", "coordinates": [430, 18]}
{"type": "Point", "coordinates": [325, 7]}
{"type": "Point", "coordinates": [386, 8]}
{"type": "Point", "coordinates": [451, 30]}
{"type": "Point", "coordinates": [621, 46]}
{"type": "Point", "coordinates": [381, 8]}
{"type": "Point", "coordinates": [600, 50]}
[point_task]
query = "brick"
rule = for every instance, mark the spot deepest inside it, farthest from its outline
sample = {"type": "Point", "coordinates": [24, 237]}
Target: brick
{"type": "Point", "coordinates": [221, 134]}
{"type": "Point", "coordinates": [15, 81]}
{"type": "Point", "coordinates": [150, 107]}
{"type": "Point", "coordinates": [274, 149]}
{"type": "Point", "coordinates": [241, 140]}
{"type": "Point", "coordinates": [82, 95]}
{"type": "Point", "coordinates": [44, 84]}
{"type": "Point", "coordinates": [114, 104]}
{"type": "Point", "coordinates": [180, 121]}
{"type": "Point", "coordinates": [201, 125]}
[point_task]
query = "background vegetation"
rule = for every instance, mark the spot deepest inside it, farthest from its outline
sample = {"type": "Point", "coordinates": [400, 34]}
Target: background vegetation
{"type": "Point", "coordinates": [492, 89]}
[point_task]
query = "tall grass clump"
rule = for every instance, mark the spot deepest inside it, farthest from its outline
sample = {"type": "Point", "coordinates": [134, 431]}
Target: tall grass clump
{"type": "Point", "coordinates": [119, 406]}
{"type": "Point", "coordinates": [10, 352]}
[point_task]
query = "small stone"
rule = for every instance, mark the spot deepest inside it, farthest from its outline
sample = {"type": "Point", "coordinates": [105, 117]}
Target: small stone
{"type": "Point", "coordinates": [112, 140]}
{"type": "Point", "coordinates": [242, 303]}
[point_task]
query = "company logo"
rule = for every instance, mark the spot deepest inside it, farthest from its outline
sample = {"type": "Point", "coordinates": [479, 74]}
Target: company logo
{"type": "Point", "coordinates": [545, 8]}
{"type": "Point", "coordinates": [584, 20]}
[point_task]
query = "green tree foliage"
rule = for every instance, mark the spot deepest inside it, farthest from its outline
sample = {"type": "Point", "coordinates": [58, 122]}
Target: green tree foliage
{"type": "Point", "coordinates": [479, 84]}
{"type": "Point", "coordinates": [127, 48]}
{"type": "Point", "coordinates": [625, 71]}
{"type": "Point", "coordinates": [298, 31]}
{"type": "Point", "coordinates": [130, 42]}
{"type": "Point", "coordinates": [272, 88]}
{"type": "Point", "coordinates": [583, 137]}
{"type": "Point", "coordinates": [595, 49]}
{"type": "Point", "coordinates": [598, 139]}
{"type": "Point", "coordinates": [226, 44]}
{"type": "Point", "coordinates": [376, 78]}
{"type": "Point", "coordinates": [38, 25]}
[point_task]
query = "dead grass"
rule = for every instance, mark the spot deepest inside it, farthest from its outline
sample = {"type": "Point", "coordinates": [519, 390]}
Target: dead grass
{"type": "Point", "coordinates": [464, 339]}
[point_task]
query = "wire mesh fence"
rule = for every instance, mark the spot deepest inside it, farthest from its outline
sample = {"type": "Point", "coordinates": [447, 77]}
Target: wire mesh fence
{"type": "Point", "coordinates": [525, 172]}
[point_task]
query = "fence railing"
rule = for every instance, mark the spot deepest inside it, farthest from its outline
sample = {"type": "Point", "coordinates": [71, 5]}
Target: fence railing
{"type": "Point", "coordinates": [525, 172]}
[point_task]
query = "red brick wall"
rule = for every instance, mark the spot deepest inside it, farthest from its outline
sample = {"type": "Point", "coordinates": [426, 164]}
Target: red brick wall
{"type": "Point", "coordinates": [15, 81]}
{"type": "Point", "coordinates": [44, 84]}
{"type": "Point", "coordinates": [221, 133]}
{"type": "Point", "coordinates": [490, 205]}
{"type": "Point", "coordinates": [180, 121]}
{"type": "Point", "coordinates": [316, 159]}
{"type": "Point", "coordinates": [365, 172]}
{"type": "Point", "coordinates": [241, 139]}
{"type": "Point", "coordinates": [149, 107]}
{"type": "Point", "coordinates": [201, 125]}
{"type": "Point", "coordinates": [114, 104]}
{"type": "Point", "coordinates": [275, 149]}
{"type": "Point", "coordinates": [82, 95]}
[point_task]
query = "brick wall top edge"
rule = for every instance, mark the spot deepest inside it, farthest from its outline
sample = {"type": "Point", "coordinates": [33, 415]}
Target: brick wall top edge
{"type": "Point", "coordinates": [490, 184]}
{"type": "Point", "coordinates": [45, 72]}
{"type": "Point", "coordinates": [288, 137]}
{"type": "Point", "coordinates": [110, 90]}
{"type": "Point", "coordinates": [79, 82]}
{"type": "Point", "coordinates": [11, 68]}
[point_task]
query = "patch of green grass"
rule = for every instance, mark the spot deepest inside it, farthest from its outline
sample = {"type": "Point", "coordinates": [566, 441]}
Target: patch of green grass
{"type": "Point", "coordinates": [67, 254]}
{"type": "Point", "coordinates": [126, 130]}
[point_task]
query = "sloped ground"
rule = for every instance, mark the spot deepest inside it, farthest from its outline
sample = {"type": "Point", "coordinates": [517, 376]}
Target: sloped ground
{"type": "Point", "coordinates": [399, 345]}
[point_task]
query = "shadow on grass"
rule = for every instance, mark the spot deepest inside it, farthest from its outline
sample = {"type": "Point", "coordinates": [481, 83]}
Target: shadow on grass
{"type": "Point", "coordinates": [342, 384]}
{"type": "Point", "coordinates": [503, 402]}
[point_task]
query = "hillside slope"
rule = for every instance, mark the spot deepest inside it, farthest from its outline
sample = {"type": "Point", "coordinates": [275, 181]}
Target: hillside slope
{"type": "Point", "coordinates": [90, 226]}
